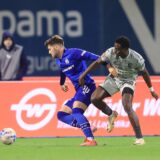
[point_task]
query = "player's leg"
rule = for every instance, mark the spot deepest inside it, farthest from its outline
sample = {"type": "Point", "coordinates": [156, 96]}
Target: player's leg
{"type": "Point", "coordinates": [78, 110]}
{"type": "Point", "coordinates": [82, 101]}
{"type": "Point", "coordinates": [97, 99]}
{"type": "Point", "coordinates": [106, 89]}
{"type": "Point", "coordinates": [65, 114]}
{"type": "Point", "coordinates": [127, 98]}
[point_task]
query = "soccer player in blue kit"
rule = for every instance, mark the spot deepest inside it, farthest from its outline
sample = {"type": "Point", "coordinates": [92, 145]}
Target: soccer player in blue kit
{"type": "Point", "coordinates": [72, 64]}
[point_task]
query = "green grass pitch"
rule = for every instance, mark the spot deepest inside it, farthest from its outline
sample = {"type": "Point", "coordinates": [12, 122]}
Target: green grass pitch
{"type": "Point", "coordinates": [109, 148]}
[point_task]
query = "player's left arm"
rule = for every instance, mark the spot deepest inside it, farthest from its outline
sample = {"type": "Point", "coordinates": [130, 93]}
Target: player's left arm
{"type": "Point", "coordinates": [80, 54]}
{"type": "Point", "coordinates": [147, 79]}
{"type": "Point", "coordinates": [90, 56]}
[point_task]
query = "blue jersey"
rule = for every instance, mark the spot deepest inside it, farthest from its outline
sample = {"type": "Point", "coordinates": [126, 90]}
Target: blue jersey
{"type": "Point", "coordinates": [72, 65]}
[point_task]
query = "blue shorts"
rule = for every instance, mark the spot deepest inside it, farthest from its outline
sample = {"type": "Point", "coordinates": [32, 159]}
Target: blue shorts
{"type": "Point", "coordinates": [83, 94]}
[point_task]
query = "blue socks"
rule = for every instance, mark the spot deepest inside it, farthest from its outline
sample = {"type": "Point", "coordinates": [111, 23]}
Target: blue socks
{"type": "Point", "coordinates": [67, 118]}
{"type": "Point", "coordinates": [82, 121]}
{"type": "Point", "coordinates": [76, 119]}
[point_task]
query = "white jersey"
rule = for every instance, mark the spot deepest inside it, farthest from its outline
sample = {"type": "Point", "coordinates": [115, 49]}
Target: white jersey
{"type": "Point", "coordinates": [127, 67]}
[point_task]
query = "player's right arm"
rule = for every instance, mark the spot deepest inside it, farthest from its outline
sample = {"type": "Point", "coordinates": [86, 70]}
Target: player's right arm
{"type": "Point", "coordinates": [91, 67]}
{"type": "Point", "coordinates": [64, 87]}
{"type": "Point", "coordinates": [103, 59]}
{"type": "Point", "coordinates": [113, 71]}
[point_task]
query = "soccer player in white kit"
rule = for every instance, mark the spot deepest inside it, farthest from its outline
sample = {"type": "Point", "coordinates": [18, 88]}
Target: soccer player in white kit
{"type": "Point", "coordinates": [126, 64]}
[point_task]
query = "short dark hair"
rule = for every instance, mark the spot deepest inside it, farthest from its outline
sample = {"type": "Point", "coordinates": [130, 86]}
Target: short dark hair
{"type": "Point", "coordinates": [123, 41]}
{"type": "Point", "coordinates": [56, 39]}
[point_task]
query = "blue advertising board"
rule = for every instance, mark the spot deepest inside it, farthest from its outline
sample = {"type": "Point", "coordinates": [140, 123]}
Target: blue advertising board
{"type": "Point", "coordinates": [91, 24]}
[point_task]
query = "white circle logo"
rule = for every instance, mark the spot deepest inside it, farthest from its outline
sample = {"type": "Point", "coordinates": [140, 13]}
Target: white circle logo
{"type": "Point", "coordinates": [35, 110]}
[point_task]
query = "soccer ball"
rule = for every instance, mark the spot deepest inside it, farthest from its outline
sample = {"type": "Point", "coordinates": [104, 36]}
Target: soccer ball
{"type": "Point", "coordinates": [8, 136]}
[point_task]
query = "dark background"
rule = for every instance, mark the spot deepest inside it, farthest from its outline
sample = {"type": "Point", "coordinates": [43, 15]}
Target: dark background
{"type": "Point", "coordinates": [101, 22]}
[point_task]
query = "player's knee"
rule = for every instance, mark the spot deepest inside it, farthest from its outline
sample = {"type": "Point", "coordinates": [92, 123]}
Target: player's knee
{"type": "Point", "coordinates": [61, 114]}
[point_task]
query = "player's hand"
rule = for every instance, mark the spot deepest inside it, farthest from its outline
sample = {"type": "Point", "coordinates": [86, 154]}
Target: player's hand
{"type": "Point", "coordinates": [113, 71]}
{"type": "Point", "coordinates": [155, 95]}
{"type": "Point", "coordinates": [64, 88]}
{"type": "Point", "coordinates": [81, 80]}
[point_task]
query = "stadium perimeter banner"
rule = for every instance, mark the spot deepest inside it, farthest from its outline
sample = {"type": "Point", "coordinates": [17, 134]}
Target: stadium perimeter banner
{"type": "Point", "coordinates": [30, 108]}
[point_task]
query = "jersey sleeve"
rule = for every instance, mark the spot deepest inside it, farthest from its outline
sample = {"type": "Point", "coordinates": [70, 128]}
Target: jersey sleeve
{"type": "Point", "coordinates": [62, 78]}
{"type": "Point", "coordinates": [106, 55]}
{"type": "Point", "coordinates": [80, 54]}
{"type": "Point", "coordinates": [140, 64]}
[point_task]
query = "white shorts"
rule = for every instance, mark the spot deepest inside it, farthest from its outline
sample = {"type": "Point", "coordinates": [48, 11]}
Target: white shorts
{"type": "Point", "coordinates": [114, 85]}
